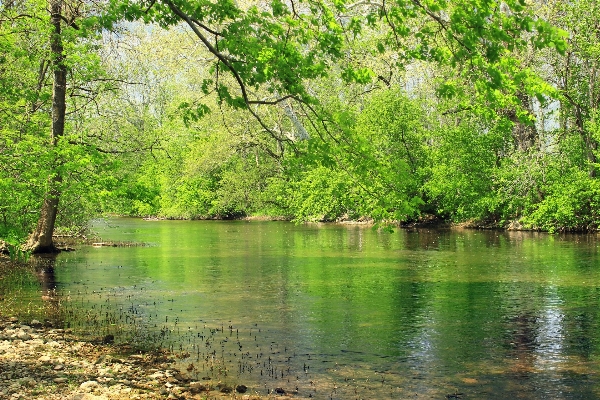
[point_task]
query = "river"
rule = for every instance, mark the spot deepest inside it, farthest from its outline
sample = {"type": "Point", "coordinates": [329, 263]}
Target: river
{"type": "Point", "coordinates": [347, 312]}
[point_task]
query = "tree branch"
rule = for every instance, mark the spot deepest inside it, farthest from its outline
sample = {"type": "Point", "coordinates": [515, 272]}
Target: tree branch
{"type": "Point", "coordinates": [227, 62]}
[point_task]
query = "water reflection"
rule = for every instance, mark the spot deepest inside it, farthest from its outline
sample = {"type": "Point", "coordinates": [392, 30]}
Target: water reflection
{"type": "Point", "coordinates": [351, 312]}
{"type": "Point", "coordinates": [46, 276]}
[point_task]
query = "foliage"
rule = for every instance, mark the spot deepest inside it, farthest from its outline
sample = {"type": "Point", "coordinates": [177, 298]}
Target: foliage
{"type": "Point", "coordinates": [315, 111]}
{"type": "Point", "coordinates": [462, 161]}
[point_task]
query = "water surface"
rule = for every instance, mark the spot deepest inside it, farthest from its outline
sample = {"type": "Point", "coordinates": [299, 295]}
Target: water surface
{"type": "Point", "coordinates": [345, 312]}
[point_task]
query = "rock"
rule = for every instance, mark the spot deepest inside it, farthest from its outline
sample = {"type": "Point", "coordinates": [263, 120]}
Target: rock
{"type": "Point", "coordinates": [89, 385]}
{"type": "Point", "coordinates": [28, 382]}
{"type": "Point", "coordinates": [197, 387]}
{"type": "Point", "coordinates": [35, 323]}
{"type": "Point", "coordinates": [157, 375]}
{"type": "Point", "coordinates": [44, 359]}
{"type": "Point", "coordinates": [226, 389]}
{"type": "Point", "coordinates": [107, 359]}
{"type": "Point", "coordinates": [59, 367]}
{"type": "Point", "coordinates": [23, 335]}
{"type": "Point", "coordinates": [60, 380]}
{"type": "Point", "coordinates": [181, 377]}
{"type": "Point", "coordinates": [241, 388]}
{"type": "Point", "coordinates": [87, 396]}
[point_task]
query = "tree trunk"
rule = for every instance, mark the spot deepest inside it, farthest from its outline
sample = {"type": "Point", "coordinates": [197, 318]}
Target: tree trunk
{"type": "Point", "coordinates": [525, 136]}
{"type": "Point", "coordinates": [40, 240]}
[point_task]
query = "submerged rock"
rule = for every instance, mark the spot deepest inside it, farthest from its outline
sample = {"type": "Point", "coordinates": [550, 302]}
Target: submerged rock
{"type": "Point", "coordinates": [241, 388]}
{"type": "Point", "coordinates": [226, 389]}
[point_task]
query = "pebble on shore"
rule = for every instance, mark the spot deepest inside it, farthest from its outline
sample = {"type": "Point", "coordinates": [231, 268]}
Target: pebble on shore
{"type": "Point", "coordinates": [52, 364]}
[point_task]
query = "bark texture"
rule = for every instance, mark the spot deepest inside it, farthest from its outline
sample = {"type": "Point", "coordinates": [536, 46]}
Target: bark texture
{"type": "Point", "coordinates": [40, 241]}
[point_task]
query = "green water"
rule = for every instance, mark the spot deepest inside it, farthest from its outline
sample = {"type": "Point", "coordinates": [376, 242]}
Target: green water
{"type": "Point", "coordinates": [346, 312]}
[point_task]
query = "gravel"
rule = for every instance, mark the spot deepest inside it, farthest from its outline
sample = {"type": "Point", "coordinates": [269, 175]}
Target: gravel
{"type": "Point", "coordinates": [53, 364]}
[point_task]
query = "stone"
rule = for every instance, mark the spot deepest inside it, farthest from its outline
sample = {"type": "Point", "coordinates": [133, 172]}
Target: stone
{"type": "Point", "coordinates": [29, 382]}
{"type": "Point", "coordinates": [87, 396]}
{"type": "Point", "coordinates": [226, 389]}
{"type": "Point", "coordinates": [181, 377]}
{"type": "Point", "coordinates": [157, 375]}
{"type": "Point", "coordinates": [44, 359]}
{"type": "Point", "coordinates": [198, 387]}
{"type": "Point", "coordinates": [35, 323]}
{"type": "Point", "coordinates": [89, 385]}
{"type": "Point", "coordinates": [60, 380]}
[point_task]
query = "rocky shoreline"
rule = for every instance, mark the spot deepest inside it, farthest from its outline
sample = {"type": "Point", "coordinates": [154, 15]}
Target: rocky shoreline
{"type": "Point", "coordinates": [40, 362]}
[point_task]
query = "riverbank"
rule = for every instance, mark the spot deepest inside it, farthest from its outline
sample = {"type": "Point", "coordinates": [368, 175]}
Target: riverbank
{"type": "Point", "coordinates": [45, 363]}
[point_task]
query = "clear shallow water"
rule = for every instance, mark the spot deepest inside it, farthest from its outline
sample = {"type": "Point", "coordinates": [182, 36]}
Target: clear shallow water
{"type": "Point", "coordinates": [347, 312]}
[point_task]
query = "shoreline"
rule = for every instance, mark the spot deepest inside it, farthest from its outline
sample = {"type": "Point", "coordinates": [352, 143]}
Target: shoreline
{"type": "Point", "coordinates": [46, 363]}
{"type": "Point", "coordinates": [39, 360]}
{"type": "Point", "coordinates": [424, 222]}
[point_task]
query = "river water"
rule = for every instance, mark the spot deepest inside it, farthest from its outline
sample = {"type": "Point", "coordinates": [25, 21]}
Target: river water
{"type": "Point", "coordinates": [346, 312]}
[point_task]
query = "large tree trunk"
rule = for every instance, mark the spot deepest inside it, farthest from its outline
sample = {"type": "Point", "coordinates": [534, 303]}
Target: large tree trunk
{"type": "Point", "coordinates": [40, 240]}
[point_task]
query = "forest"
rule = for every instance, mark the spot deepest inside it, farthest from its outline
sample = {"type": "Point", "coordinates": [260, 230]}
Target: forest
{"type": "Point", "coordinates": [477, 111]}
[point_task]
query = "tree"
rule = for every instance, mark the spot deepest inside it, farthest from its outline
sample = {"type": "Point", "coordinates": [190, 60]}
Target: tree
{"type": "Point", "coordinates": [40, 240]}
{"type": "Point", "coordinates": [56, 77]}
{"type": "Point", "coordinates": [266, 56]}
{"type": "Point", "coordinates": [576, 74]}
